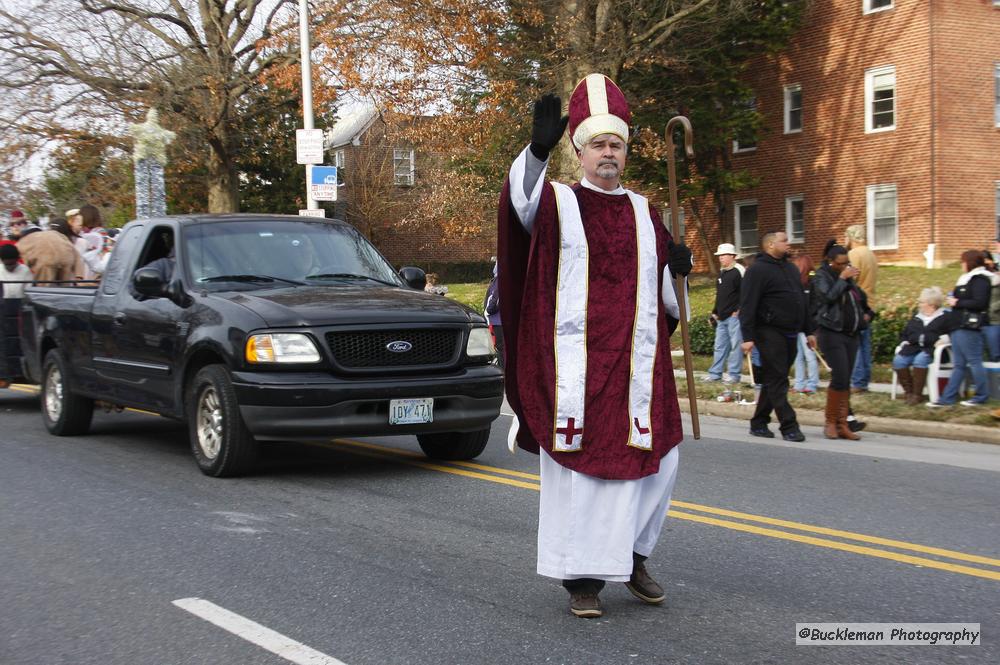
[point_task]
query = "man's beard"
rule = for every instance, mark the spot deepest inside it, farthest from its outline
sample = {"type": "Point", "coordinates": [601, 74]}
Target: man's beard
{"type": "Point", "coordinates": [608, 169]}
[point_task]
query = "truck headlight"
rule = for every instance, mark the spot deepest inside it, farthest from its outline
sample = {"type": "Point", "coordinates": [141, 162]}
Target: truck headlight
{"type": "Point", "coordinates": [480, 343]}
{"type": "Point", "coordinates": [281, 348]}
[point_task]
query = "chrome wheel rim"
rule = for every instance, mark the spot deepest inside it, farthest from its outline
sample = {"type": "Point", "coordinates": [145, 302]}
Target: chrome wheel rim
{"type": "Point", "coordinates": [209, 423]}
{"type": "Point", "coordinates": [53, 394]}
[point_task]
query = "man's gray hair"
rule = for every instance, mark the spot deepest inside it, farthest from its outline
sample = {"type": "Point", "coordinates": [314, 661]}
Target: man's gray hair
{"type": "Point", "coordinates": [932, 295]}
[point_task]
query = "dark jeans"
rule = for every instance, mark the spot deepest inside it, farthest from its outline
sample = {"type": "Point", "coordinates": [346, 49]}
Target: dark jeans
{"type": "Point", "coordinates": [777, 353]}
{"type": "Point", "coordinates": [498, 340]}
{"type": "Point", "coordinates": [840, 351]}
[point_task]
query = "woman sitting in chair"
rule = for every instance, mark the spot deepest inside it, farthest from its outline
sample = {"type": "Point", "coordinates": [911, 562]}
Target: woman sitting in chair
{"type": "Point", "coordinates": [918, 339]}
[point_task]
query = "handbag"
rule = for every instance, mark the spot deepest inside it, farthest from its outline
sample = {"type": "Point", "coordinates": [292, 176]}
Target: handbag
{"type": "Point", "coordinates": [972, 320]}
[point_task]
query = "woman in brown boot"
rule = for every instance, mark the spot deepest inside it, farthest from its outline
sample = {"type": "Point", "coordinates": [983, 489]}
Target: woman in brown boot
{"type": "Point", "coordinates": [919, 337]}
{"type": "Point", "coordinates": [842, 311]}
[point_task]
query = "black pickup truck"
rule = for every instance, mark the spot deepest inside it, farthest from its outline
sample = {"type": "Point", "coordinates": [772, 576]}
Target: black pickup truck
{"type": "Point", "coordinates": [254, 327]}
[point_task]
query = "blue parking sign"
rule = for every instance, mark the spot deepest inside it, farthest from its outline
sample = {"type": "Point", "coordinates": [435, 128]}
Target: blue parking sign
{"type": "Point", "coordinates": [323, 183]}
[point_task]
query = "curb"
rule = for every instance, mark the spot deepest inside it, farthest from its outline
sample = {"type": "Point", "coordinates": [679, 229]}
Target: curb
{"type": "Point", "coordinates": [920, 428]}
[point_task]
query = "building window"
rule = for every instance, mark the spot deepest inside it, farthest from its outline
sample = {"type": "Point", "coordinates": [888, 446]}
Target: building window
{"type": "Point", "coordinates": [997, 236]}
{"type": "Point", "coordinates": [883, 217]}
{"type": "Point", "coordinates": [793, 108]}
{"type": "Point", "coordinates": [670, 223]}
{"type": "Point", "coordinates": [339, 159]}
{"type": "Point", "coordinates": [747, 238]}
{"type": "Point", "coordinates": [880, 99]}
{"type": "Point", "coordinates": [746, 141]}
{"type": "Point", "coordinates": [876, 5]}
{"type": "Point", "coordinates": [795, 225]}
{"type": "Point", "coordinates": [402, 166]}
{"type": "Point", "coordinates": [996, 92]}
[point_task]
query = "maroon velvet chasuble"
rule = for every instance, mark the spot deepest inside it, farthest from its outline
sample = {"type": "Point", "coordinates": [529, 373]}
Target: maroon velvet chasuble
{"type": "Point", "coordinates": [528, 277]}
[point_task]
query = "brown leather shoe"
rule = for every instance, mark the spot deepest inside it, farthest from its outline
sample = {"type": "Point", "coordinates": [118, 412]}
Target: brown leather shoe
{"type": "Point", "coordinates": [644, 587]}
{"type": "Point", "coordinates": [585, 604]}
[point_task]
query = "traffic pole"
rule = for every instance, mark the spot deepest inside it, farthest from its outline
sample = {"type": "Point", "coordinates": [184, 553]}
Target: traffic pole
{"type": "Point", "coordinates": [307, 92]}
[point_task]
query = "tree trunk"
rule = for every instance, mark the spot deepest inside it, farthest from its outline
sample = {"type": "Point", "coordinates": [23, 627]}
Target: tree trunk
{"type": "Point", "coordinates": [223, 184]}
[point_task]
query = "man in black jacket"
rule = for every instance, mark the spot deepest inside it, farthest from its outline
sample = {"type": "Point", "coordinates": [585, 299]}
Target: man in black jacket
{"type": "Point", "coordinates": [773, 311]}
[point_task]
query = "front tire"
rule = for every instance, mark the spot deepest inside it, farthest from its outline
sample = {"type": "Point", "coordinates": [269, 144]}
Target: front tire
{"type": "Point", "coordinates": [64, 413]}
{"type": "Point", "coordinates": [454, 445]}
{"type": "Point", "coordinates": [221, 444]}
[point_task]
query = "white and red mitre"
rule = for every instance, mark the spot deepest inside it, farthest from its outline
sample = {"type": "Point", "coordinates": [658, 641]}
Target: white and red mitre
{"type": "Point", "coordinates": [597, 106]}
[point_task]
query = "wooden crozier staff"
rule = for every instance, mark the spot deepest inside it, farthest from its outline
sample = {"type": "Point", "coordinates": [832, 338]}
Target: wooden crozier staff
{"type": "Point", "coordinates": [675, 231]}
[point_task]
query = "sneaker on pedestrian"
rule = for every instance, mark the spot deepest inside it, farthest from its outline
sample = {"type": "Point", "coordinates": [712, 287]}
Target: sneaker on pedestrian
{"type": "Point", "coordinates": [969, 402]}
{"type": "Point", "coordinates": [856, 425]}
{"type": "Point", "coordinates": [644, 587]}
{"type": "Point", "coordinates": [711, 379]}
{"type": "Point", "coordinates": [794, 435]}
{"type": "Point", "coordinates": [937, 405]}
{"type": "Point", "coordinates": [730, 381]}
{"type": "Point", "coordinates": [856, 390]}
{"type": "Point", "coordinates": [762, 432]}
{"type": "Point", "coordinates": [585, 605]}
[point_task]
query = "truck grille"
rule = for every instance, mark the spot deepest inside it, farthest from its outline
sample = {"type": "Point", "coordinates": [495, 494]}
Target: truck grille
{"type": "Point", "coordinates": [366, 349]}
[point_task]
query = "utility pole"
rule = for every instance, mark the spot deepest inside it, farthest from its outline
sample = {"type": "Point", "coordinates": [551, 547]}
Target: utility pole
{"type": "Point", "coordinates": [307, 93]}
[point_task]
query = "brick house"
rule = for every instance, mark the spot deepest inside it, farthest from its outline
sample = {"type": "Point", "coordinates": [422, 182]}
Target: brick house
{"type": "Point", "coordinates": [879, 112]}
{"type": "Point", "coordinates": [382, 174]}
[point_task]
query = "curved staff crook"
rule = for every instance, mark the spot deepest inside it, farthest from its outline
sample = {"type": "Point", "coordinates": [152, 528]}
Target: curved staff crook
{"type": "Point", "coordinates": [679, 281]}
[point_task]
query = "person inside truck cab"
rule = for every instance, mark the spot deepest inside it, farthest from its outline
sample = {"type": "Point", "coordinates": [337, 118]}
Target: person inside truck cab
{"type": "Point", "coordinates": [159, 256]}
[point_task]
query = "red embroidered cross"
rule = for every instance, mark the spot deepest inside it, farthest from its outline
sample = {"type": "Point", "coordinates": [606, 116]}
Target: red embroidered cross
{"type": "Point", "coordinates": [640, 427]}
{"type": "Point", "coordinates": [569, 432]}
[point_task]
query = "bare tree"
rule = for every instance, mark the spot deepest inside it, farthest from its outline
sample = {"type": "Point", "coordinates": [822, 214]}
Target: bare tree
{"type": "Point", "coordinates": [95, 63]}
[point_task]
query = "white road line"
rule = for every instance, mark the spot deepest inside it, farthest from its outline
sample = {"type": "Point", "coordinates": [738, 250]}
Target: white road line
{"type": "Point", "coordinates": [251, 631]}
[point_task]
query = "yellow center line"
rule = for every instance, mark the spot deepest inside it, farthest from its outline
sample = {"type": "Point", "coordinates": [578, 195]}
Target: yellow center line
{"type": "Point", "coordinates": [415, 459]}
{"type": "Point", "coordinates": [411, 458]}
{"type": "Point", "coordinates": [836, 545]}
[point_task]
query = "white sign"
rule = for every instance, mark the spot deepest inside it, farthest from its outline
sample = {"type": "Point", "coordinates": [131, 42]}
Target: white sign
{"type": "Point", "coordinates": [312, 213]}
{"type": "Point", "coordinates": [309, 146]}
{"type": "Point", "coordinates": [323, 183]}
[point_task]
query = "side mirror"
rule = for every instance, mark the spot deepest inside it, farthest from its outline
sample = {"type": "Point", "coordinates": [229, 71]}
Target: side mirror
{"type": "Point", "coordinates": [149, 282]}
{"type": "Point", "coordinates": [415, 277]}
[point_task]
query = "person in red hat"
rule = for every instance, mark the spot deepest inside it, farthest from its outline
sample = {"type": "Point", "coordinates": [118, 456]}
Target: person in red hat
{"type": "Point", "coordinates": [588, 305]}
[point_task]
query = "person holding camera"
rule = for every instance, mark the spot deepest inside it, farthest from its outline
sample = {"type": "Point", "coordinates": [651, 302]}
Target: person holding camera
{"type": "Point", "coordinates": [842, 312]}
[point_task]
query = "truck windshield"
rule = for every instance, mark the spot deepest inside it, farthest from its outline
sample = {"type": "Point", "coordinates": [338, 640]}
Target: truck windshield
{"type": "Point", "coordinates": [228, 255]}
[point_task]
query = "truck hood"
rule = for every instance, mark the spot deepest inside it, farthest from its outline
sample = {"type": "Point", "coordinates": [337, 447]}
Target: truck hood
{"type": "Point", "coordinates": [349, 304]}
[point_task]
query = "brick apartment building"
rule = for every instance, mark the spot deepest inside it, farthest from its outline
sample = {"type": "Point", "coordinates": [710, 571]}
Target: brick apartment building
{"type": "Point", "coordinates": [381, 176]}
{"type": "Point", "coordinates": [884, 113]}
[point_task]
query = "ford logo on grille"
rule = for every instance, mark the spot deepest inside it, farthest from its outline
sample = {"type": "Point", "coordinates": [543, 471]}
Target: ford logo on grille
{"type": "Point", "coordinates": [399, 346]}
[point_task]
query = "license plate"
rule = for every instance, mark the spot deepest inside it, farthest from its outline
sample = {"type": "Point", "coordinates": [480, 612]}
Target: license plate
{"type": "Point", "coordinates": [411, 411]}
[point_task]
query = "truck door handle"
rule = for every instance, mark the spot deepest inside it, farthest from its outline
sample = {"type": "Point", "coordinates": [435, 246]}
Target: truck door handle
{"type": "Point", "coordinates": [119, 319]}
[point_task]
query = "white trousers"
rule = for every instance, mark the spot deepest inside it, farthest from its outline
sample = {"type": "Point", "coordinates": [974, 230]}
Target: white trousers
{"type": "Point", "coordinates": [589, 527]}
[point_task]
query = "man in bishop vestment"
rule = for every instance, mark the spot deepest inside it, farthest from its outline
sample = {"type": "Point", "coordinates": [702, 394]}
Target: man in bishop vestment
{"type": "Point", "coordinates": [588, 307]}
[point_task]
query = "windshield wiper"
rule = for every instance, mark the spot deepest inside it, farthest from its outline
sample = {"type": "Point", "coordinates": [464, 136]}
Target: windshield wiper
{"type": "Point", "coordinates": [250, 278]}
{"type": "Point", "coordinates": [348, 275]}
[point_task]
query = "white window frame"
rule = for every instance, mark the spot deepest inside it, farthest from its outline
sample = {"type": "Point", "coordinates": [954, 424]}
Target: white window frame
{"type": "Point", "coordinates": [997, 183]}
{"type": "Point", "coordinates": [789, 200]}
{"type": "Point", "coordinates": [996, 89]}
{"type": "Point", "coordinates": [870, 192]}
{"type": "Point", "coordinates": [402, 179]}
{"type": "Point", "coordinates": [737, 235]}
{"type": "Point", "coordinates": [339, 159]}
{"type": "Point", "coordinates": [736, 143]}
{"type": "Point", "coordinates": [870, 75]}
{"type": "Point", "coordinates": [789, 89]}
{"type": "Point", "coordinates": [866, 7]}
{"type": "Point", "coordinates": [670, 222]}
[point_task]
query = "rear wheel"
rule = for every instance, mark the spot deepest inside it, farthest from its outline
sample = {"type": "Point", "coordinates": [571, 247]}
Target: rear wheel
{"type": "Point", "coordinates": [221, 444]}
{"type": "Point", "coordinates": [63, 413]}
{"type": "Point", "coordinates": [454, 445]}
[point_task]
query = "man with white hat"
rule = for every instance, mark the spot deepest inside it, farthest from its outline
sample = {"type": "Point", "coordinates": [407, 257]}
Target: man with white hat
{"type": "Point", "coordinates": [726, 317]}
{"type": "Point", "coordinates": [588, 307]}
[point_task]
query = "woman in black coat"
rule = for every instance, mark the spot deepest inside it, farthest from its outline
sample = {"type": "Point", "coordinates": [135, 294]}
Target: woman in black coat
{"type": "Point", "coordinates": [842, 312]}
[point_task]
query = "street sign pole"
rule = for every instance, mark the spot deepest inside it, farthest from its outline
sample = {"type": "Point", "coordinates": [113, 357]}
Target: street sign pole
{"type": "Point", "coordinates": [307, 94]}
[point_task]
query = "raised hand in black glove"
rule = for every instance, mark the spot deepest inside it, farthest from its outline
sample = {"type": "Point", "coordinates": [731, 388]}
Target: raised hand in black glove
{"type": "Point", "coordinates": [680, 260]}
{"type": "Point", "coordinates": [547, 127]}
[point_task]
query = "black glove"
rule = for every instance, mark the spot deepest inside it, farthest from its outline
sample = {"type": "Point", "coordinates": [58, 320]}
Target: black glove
{"type": "Point", "coordinates": [680, 260]}
{"type": "Point", "coordinates": [547, 127]}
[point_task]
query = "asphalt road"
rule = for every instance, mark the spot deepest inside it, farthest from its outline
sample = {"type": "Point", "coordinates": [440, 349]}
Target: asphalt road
{"type": "Point", "coordinates": [367, 553]}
